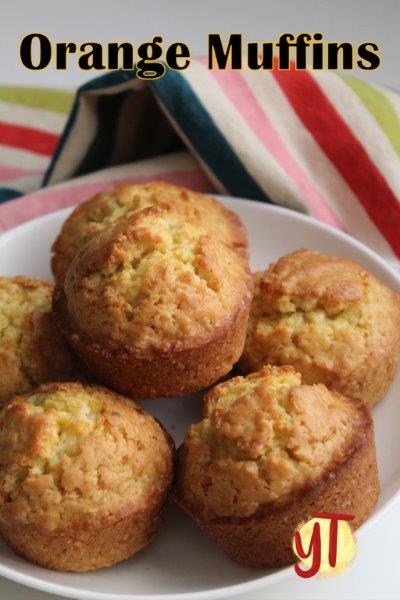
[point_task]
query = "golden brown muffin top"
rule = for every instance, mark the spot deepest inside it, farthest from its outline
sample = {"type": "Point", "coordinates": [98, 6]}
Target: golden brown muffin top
{"type": "Point", "coordinates": [321, 314]}
{"type": "Point", "coordinates": [71, 453]}
{"type": "Point", "coordinates": [262, 438]}
{"type": "Point", "coordinates": [31, 348]}
{"type": "Point", "coordinates": [154, 281]}
{"type": "Point", "coordinates": [98, 212]}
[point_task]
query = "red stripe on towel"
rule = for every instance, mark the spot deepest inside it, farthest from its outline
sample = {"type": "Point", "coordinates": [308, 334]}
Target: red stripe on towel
{"type": "Point", "coordinates": [344, 150]}
{"type": "Point", "coordinates": [27, 138]}
{"type": "Point", "coordinates": [242, 97]}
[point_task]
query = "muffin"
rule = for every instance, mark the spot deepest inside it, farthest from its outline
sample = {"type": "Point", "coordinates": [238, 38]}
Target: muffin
{"type": "Point", "coordinates": [331, 320]}
{"type": "Point", "coordinates": [155, 306]}
{"type": "Point", "coordinates": [32, 350]}
{"type": "Point", "coordinates": [98, 212]}
{"type": "Point", "coordinates": [268, 454]}
{"type": "Point", "coordinates": [84, 476]}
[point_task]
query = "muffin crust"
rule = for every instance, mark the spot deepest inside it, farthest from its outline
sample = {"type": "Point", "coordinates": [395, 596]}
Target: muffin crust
{"type": "Point", "coordinates": [270, 452]}
{"type": "Point", "coordinates": [98, 212]}
{"type": "Point", "coordinates": [155, 305]}
{"type": "Point", "coordinates": [79, 461]}
{"type": "Point", "coordinates": [330, 319]}
{"type": "Point", "coordinates": [32, 349]}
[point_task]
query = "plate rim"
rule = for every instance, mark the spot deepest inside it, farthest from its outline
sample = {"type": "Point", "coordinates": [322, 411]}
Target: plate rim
{"type": "Point", "coordinates": [245, 586]}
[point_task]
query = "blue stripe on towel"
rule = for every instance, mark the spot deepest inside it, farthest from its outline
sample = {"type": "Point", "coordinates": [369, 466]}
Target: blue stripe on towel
{"type": "Point", "coordinates": [9, 194]}
{"type": "Point", "coordinates": [185, 108]}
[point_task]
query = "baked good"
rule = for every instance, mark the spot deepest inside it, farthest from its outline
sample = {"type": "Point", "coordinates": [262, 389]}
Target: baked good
{"type": "Point", "coordinates": [32, 350]}
{"type": "Point", "coordinates": [84, 476]}
{"type": "Point", "coordinates": [98, 212]}
{"type": "Point", "coordinates": [330, 319]}
{"type": "Point", "coordinates": [155, 306]}
{"type": "Point", "coordinates": [268, 454]}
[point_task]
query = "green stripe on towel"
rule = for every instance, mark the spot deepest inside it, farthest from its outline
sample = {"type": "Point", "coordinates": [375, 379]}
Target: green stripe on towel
{"type": "Point", "coordinates": [379, 106]}
{"type": "Point", "coordinates": [45, 99]}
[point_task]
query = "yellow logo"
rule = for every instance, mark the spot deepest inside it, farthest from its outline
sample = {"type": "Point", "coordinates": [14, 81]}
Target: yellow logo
{"type": "Point", "coordinates": [325, 544]}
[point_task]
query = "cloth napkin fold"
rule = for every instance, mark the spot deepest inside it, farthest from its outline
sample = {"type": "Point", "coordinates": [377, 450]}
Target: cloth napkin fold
{"type": "Point", "coordinates": [322, 143]}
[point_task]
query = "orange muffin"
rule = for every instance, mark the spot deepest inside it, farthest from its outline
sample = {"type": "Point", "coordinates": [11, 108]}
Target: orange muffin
{"type": "Point", "coordinates": [268, 454]}
{"type": "Point", "coordinates": [98, 212]}
{"type": "Point", "coordinates": [84, 476]}
{"type": "Point", "coordinates": [32, 350]}
{"type": "Point", "coordinates": [330, 319]}
{"type": "Point", "coordinates": [155, 305]}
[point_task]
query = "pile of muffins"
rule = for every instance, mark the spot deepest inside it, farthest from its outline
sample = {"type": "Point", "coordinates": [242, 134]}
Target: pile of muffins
{"type": "Point", "coordinates": [153, 298]}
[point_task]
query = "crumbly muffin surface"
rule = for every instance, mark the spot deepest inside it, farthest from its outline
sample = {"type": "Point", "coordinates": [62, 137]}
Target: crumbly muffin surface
{"type": "Point", "coordinates": [324, 315]}
{"type": "Point", "coordinates": [262, 437]}
{"type": "Point", "coordinates": [154, 281]}
{"type": "Point", "coordinates": [74, 454]}
{"type": "Point", "coordinates": [98, 212]}
{"type": "Point", "coordinates": [31, 348]}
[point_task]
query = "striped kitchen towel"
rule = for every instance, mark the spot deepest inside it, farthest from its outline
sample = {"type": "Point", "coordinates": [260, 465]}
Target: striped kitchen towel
{"type": "Point", "coordinates": [30, 124]}
{"type": "Point", "coordinates": [322, 143]}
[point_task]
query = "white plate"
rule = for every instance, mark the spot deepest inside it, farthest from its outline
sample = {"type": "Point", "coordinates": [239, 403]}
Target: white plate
{"type": "Point", "coordinates": [182, 563]}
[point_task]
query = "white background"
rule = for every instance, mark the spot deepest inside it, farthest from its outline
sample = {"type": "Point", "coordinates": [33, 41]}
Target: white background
{"type": "Point", "coordinates": [376, 571]}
